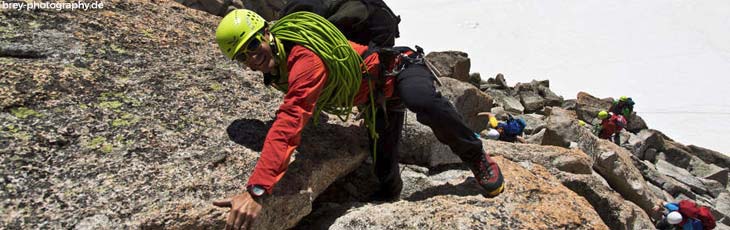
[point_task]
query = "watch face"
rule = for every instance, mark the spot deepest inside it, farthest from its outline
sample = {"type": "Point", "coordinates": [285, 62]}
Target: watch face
{"type": "Point", "coordinates": [257, 191]}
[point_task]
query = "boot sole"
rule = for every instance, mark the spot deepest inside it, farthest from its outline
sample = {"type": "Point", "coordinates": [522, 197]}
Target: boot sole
{"type": "Point", "coordinates": [496, 192]}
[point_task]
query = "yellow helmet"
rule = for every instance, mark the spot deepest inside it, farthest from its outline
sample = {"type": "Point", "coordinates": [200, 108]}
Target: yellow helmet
{"type": "Point", "coordinates": [602, 115]}
{"type": "Point", "coordinates": [235, 29]}
{"type": "Point", "coordinates": [623, 98]}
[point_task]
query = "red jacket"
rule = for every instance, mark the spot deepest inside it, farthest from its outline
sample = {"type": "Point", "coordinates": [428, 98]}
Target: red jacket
{"type": "Point", "coordinates": [307, 78]}
{"type": "Point", "coordinates": [612, 125]}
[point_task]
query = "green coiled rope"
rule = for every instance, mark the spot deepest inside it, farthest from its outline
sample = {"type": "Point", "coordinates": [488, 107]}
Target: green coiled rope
{"type": "Point", "coordinates": [344, 66]}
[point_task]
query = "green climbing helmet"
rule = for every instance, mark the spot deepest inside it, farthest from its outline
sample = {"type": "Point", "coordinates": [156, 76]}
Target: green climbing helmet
{"type": "Point", "coordinates": [235, 29]}
{"type": "Point", "coordinates": [602, 115]}
{"type": "Point", "coordinates": [623, 98]}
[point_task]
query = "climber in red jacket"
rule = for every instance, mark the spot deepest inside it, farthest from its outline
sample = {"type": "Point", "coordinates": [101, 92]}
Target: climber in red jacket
{"type": "Point", "coordinates": [303, 70]}
{"type": "Point", "coordinates": [611, 126]}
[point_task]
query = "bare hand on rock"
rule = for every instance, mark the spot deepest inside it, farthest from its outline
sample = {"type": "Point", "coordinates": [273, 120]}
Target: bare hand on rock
{"type": "Point", "coordinates": [244, 209]}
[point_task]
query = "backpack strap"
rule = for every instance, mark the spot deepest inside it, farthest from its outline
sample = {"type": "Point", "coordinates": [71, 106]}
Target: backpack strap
{"type": "Point", "coordinates": [279, 80]}
{"type": "Point", "coordinates": [383, 22]}
{"type": "Point", "coordinates": [522, 122]}
{"type": "Point", "coordinates": [379, 78]}
{"type": "Point", "coordinates": [391, 63]}
{"type": "Point", "coordinates": [314, 6]}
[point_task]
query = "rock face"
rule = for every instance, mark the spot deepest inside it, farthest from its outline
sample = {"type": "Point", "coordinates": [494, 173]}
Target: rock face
{"type": "Point", "coordinates": [536, 95]}
{"type": "Point", "coordinates": [720, 175]}
{"type": "Point", "coordinates": [612, 162]}
{"type": "Point", "coordinates": [420, 147]}
{"type": "Point", "coordinates": [566, 160]}
{"type": "Point", "coordinates": [635, 123]}
{"type": "Point", "coordinates": [569, 104]}
{"type": "Point", "coordinates": [551, 99]}
{"type": "Point", "coordinates": [125, 126]}
{"type": "Point", "coordinates": [475, 79]}
{"type": "Point", "coordinates": [536, 138]}
{"type": "Point", "coordinates": [215, 7]}
{"type": "Point", "coordinates": [710, 156]}
{"type": "Point", "coordinates": [452, 64]}
{"type": "Point", "coordinates": [468, 101]}
{"type": "Point", "coordinates": [450, 200]}
{"type": "Point", "coordinates": [588, 106]}
{"type": "Point", "coordinates": [676, 154]}
{"type": "Point", "coordinates": [535, 123]}
{"type": "Point", "coordinates": [708, 171]}
{"type": "Point", "coordinates": [666, 183]}
{"type": "Point", "coordinates": [573, 168]}
{"type": "Point", "coordinates": [681, 175]}
{"type": "Point", "coordinates": [616, 212]}
{"type": "Point", "coordinates": [560, 127]}
{"type": "Point", "coordinates": [644, 140]}
{"type": "Point", "coordinates": [722, 206]}
{"type": "Point", "coordinates": [510, 104]}
{"type": "Point", "coordinates": [317, 164]}
{"type": "Point", "coordinates": [498, 81]}
{"type": "Point", "coordinates": [531, 100]}
{"type": "Point", "coordinates": [118, 118]}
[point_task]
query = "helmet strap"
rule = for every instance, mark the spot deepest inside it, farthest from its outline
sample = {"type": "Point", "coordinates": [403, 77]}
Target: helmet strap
{"type": "Point", "coordinates": [281, 71]}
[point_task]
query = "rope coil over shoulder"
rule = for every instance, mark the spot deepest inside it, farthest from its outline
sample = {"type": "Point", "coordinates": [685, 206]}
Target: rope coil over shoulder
{"type": "Point", "coordinates": [344, 65]}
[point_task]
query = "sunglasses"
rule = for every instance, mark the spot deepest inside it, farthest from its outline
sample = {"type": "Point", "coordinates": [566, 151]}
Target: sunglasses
{"type": "Point", "coordinates": [251, 47]}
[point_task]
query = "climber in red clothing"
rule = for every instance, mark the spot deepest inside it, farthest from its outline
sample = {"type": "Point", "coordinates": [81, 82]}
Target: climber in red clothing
{"type": "Point", "coordinates": [303, 69]}
{"type": "Point", "coordinates": [611, 126]}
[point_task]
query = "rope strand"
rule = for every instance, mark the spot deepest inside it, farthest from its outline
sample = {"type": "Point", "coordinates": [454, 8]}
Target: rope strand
{"type": "Point", "coordinates": [344, 66]}
{"type": "Point", "coordinates": [342, 62]}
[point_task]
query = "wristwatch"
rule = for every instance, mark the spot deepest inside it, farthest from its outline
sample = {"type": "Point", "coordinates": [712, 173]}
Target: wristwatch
{"type": "Point", "coordinates": [256, 190]}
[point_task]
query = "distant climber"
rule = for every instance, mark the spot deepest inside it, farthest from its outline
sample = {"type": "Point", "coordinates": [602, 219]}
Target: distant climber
{"type": "Point", "coordinates": [610, 126]}
{"type": "Point", "coordinates": [624, 106]}
{"type": "Point", "coordinates": [581, 123]}
{"type": "Point", "coordinates": [318, 69]}
{"type": "Point", "coordinates": [491, 131]}
{"type": "Point", "coordinates": [685, 215]}
{"type": "Point", "coordinates": [585, 125]}
{"type": "Point", "coordinates": [510, 130]}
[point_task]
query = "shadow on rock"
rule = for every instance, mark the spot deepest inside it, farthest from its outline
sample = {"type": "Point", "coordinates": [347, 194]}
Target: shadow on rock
{"type": "Point", "coordinates": [249, 132]}
{"type": "Point", "coordinates": [467, 188]}
{"type": "Point", "coordinates": [325, 215]}
{"type": "Point", "coordinates": [446, 167]}
{"type": "Point", "coordinates": [327, 152]}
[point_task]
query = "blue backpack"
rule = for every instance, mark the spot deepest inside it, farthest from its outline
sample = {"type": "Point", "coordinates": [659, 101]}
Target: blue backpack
{"type": "Point", "coordinates": [514, 127]}
{"type": "Point", "coordinates": [693, 224]}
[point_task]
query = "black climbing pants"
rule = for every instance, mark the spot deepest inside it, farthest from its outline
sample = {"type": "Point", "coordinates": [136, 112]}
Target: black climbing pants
{"type": "Point", "coordinates": [416, 89]}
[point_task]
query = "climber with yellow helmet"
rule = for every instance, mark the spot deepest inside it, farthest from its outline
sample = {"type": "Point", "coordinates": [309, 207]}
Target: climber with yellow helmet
{"type": "Point", "coordinates": [611, 126]}
{"type": "Point", "coordinates": [624, 106]}
{"type": "Point", "coordinates": [510, 130]}
{"type": "Point", "coordinates": [318, 69]}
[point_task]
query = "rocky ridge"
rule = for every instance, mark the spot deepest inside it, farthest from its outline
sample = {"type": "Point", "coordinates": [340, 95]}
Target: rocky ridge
{"type": "Point", "coordinates": [129, 116]}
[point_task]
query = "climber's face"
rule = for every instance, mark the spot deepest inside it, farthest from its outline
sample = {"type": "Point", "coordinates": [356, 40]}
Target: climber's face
{"type": "Point", "coordinates": [258, 54]}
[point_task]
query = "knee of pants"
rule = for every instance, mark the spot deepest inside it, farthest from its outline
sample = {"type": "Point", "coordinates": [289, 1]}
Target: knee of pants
{"type": "Point", "coordinates": [429, 104]}
{"type": "Point", "coordinates": [416, 89]}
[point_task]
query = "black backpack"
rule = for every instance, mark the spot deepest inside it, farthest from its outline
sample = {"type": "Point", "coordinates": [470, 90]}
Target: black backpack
{"type": "Point", "coordinates": [367, 22]}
